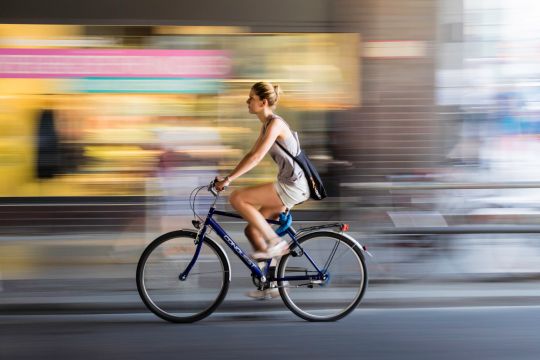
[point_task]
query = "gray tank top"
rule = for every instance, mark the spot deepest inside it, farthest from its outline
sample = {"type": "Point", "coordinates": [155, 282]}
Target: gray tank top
{"type": "Point", "coordinates": [289, 171]}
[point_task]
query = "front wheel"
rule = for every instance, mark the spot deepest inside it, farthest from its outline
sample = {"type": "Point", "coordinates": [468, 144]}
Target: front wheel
{"type": "Point", "coordinates": [341, 261]}
{"type": "Point", "coordinates": [189, 300]}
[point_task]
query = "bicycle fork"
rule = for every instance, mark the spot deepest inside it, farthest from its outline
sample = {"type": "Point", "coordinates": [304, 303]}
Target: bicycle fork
{"type": "Point", "coordinates": [199, 238]}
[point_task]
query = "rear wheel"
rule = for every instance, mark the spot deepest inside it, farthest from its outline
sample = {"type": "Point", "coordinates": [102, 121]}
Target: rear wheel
{"type": "Point", "coordinates": [165, 294]}
{"type": "Point", "coordinates": [340, 259]}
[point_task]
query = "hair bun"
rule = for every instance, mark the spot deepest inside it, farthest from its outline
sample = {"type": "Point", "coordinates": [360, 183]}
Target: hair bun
{"type": "Point", "coordinates": [277, 91]}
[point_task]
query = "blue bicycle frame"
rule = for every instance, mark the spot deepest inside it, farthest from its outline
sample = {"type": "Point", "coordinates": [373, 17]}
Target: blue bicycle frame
{"type": "Point", "coordinates": [321, 274]}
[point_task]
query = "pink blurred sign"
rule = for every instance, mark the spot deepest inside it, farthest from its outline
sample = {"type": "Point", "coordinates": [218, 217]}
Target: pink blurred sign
{"type": "Point", "coordinates": [133, 63]}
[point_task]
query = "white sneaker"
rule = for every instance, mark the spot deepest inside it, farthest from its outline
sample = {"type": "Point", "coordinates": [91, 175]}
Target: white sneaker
{"type": "Point", "coordinates": [266, 294]}
{"type": "Point", "coordinates": [279, 249]}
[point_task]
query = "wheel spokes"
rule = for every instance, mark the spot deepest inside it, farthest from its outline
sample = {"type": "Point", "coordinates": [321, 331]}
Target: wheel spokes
{"type": "Point", "coordinates": [340, 289]}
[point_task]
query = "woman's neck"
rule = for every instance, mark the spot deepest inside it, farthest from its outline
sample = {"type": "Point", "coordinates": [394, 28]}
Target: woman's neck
{"type": "Point", "coordinates": [263, 115]}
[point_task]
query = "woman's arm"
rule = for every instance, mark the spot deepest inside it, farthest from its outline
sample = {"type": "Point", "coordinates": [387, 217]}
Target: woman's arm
{"type": "Point", "coordinates": [258, 151]}
{"type": "Point", "coordinates": [256, 154]}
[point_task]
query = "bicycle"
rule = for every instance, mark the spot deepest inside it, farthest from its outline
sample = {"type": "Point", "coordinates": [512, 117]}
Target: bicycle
{"type": "Point", "coordinates": [184, 275]}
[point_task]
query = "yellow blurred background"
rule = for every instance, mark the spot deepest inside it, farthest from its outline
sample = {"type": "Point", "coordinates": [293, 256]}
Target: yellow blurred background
{"type": "Point", "coordinates": [109, 137]}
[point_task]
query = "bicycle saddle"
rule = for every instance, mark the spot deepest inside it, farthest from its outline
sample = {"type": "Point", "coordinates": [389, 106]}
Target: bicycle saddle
{"type": "Point", "coordinates": [285, 221]}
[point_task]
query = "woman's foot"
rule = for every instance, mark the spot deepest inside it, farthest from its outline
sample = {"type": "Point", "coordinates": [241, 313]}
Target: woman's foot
{"type": "Point", "coordinates": [266, 294]}
{"type": "Point", "coordinates": [278, 249]}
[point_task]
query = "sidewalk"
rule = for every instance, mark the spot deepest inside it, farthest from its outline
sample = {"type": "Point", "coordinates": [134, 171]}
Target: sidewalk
{"type": "Point", "coordinates": [96, 273]}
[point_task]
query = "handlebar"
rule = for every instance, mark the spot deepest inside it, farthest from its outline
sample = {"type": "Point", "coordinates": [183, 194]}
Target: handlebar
{"type": "Point", "coordinates": [212, 188]}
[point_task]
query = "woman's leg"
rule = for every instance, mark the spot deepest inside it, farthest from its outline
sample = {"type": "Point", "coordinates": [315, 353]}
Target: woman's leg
{"type": "Point", "coordinates": [255, 236]}
{"type": "Point", "coordinates": [247, 201]}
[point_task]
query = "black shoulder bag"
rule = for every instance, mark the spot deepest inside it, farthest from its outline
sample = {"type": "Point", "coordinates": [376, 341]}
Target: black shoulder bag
{"type": "Point", "coordinates": [316, 187]}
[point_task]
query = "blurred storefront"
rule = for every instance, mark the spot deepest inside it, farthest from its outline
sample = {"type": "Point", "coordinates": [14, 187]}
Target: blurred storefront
{"type": "Point", "coordinates": [83, 121]}
{"type": "Point", "coordinates": [133, 112]}
{"type": "Point", "coordinates": [358, 80]}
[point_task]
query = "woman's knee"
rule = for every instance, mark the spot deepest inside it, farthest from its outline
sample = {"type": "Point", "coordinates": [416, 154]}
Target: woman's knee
{"type": "Point", "coordinates": [235, 199]}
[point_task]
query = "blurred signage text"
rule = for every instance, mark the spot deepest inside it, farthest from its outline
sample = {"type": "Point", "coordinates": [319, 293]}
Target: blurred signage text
{"type": "Point", "coordinates": [84, 63]}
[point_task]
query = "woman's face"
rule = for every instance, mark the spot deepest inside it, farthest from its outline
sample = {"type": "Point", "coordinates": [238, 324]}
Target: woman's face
{"type": "Point", "coordinates": [255, 104]}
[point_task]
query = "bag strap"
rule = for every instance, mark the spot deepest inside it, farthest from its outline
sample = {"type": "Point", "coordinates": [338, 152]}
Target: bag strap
{"type": "Point", "coordinates": [286, 151]}
{"type": "Point", "coordinates": [294, 159]}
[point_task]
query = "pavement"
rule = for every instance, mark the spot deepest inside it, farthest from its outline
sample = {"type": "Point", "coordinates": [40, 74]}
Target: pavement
{"type": "Point", "coordinates": [95, 273]}
{"type": "Point", "coordinates": [494, 333]}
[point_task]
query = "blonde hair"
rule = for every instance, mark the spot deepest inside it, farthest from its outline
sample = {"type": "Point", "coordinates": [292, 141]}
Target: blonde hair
{"type": "Point", "coordinates": [265, 90]}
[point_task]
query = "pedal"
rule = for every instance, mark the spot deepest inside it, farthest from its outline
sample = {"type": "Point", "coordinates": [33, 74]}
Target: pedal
{"type": "Point", "coordinates": [296, 251]}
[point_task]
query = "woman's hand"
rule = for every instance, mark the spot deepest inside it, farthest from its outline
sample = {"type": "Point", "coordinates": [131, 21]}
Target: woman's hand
{"type": "Point", "coordinates": [220, 183]}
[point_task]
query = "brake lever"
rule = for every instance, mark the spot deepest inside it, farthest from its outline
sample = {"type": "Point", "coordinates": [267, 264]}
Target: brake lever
{"type": "Point", "coordinates": [212, 189]}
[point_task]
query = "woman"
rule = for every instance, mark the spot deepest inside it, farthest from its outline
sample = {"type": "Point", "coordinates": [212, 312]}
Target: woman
{"type": "Point", "coordinates": [257, 203]}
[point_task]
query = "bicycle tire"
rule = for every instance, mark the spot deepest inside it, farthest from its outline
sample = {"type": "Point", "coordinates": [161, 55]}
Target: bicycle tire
{"type": "Point", "coordinates": [307, 302]}
{"type": "Point", "coordinates": [191, 299]}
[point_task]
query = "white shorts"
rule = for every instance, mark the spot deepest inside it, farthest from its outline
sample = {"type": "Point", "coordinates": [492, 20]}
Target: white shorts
{"type": "Point", "coordinates": [291, 195]}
